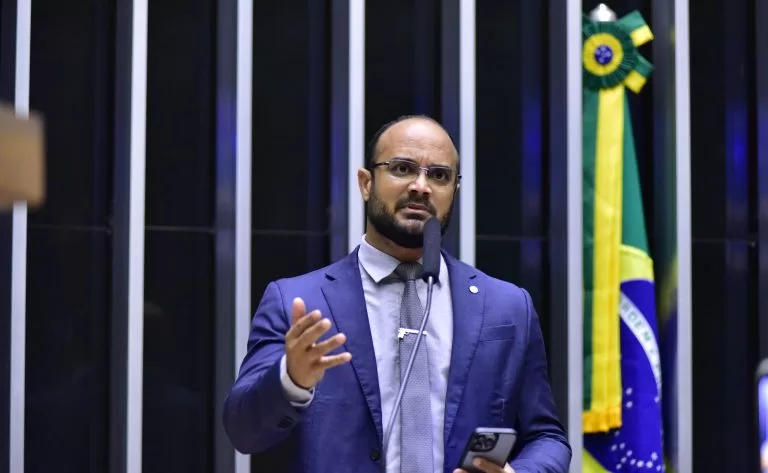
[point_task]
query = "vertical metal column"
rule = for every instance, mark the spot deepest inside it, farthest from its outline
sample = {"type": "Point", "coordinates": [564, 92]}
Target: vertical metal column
{"type": "Point", "coordinates": [467, 131]}
{"type": "Point", "coordinates": [244, 129]}
{"type": "Point", "coordinates": [16, 17]}
{"type": "Point", "coordinates": [127, 347]}
{"type": "Point", "coordinates": [575, 238]}
{"type": "Point", "coordinates": [356, 121]}
{"type": "Point", "coordinates": [339, 139]}
{"type": "Point", "coordinates": [565, 123]}
{"type": "Point", "coordinates": [233, 212]}
{"type": "Point", "coordinates": [557, 115]}
{"type": "Point", "coordinates": [684, 278]}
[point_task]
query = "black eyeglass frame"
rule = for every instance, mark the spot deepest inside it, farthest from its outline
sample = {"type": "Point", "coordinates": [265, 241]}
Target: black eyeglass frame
{"type": "Point", "coordinates": [427, 170]}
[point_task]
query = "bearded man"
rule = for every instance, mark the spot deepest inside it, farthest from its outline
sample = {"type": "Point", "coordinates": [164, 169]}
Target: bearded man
{"type": "Point", "coordinates": [318, 384]}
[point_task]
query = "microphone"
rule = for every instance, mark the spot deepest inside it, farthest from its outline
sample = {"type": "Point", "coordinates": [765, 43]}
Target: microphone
{"type": "Point", "coordinates": [431, 249]}
{"type": "Point", "coordinates": [430, 274]}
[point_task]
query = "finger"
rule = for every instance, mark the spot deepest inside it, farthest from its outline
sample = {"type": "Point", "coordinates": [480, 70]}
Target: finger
{"type": "Point", "coordinates": [302, 325]}
{"type": "Point", "coordinates": [299, 309]}
{"type": "Point", "coordinates": [457, 470]}
{"type": "Point", "coordinates": [487, 466]}
{"type": "Point", "coordinates": [327, 362]}
{"type": "Point", "coordinates": [310, 335]}
{"type": "Point", "coordinates": [332, 343]}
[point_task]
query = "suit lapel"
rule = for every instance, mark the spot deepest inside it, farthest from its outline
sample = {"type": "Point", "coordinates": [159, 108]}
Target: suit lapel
{"type": "Point", "coordinates": [346, 301]}
{"type": "Point", "coordinates": [467, 321]}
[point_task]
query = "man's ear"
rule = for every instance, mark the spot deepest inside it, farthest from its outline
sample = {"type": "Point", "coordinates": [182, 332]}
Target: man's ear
{"type": "Point", "coordinates": [364, 180]}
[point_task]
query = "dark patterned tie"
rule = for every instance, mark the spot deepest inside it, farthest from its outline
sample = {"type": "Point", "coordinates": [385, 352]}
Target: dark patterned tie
{"type": "Point", "coordinates": [415, 408]}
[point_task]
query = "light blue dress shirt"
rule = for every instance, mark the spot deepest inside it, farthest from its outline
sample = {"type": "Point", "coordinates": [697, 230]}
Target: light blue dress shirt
{"type": "Point", "coordinates": [383, 305]}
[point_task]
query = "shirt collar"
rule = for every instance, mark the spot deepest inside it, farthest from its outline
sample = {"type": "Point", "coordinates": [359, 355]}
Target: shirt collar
{"type": "Point", "coordinates": [376, 263]}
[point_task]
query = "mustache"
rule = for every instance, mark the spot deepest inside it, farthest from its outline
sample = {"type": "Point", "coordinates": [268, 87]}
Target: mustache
{"type": "Point", "coordinates": [406, 201]}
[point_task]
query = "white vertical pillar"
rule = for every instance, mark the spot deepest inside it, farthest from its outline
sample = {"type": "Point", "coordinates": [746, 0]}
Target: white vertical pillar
{"type": "Point", "coordinates": [356, 137]}
{"type": "Point", "coordinates": [575, 237]}
{"type": "Point", "coordinates": [467, 131]}
{"type": "Point", "coordinates": [19, 259]}
{"type": "Point", "coordinates": [684, 275]}
{"type": "Point", "coordinates": [137, 134]}
{"type": "Point", "coordinates": [243, 193]}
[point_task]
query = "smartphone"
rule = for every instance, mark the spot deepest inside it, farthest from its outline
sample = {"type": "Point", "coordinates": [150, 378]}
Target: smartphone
{"type": "Point", "coordinates": [762, 413]}
{"type": "Point", "coordinates": [491, 443]}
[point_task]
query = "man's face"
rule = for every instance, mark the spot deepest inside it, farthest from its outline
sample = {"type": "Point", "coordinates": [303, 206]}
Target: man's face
{"type": "Point", "coordinates": [399, 196]}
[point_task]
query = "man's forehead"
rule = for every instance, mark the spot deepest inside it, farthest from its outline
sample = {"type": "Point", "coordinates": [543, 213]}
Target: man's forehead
{"type": "Point", "coordinates": [415, 129]}
{"type": "Point", "coordinates": [416, 134]}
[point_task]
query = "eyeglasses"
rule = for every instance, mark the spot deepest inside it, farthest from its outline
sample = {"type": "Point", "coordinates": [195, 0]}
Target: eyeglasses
{"type": "Point", "coordinates": [407, 170]}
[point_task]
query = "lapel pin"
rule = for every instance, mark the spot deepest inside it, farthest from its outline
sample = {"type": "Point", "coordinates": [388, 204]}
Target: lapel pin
{"type": "Point", "coordinates": [473, 289]}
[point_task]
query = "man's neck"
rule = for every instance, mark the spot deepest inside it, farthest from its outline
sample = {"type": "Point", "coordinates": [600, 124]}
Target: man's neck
{"type": "Point", "coordinates": [389, 247]}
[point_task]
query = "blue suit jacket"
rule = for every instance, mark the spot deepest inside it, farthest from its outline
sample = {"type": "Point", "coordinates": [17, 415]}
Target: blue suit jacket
{"type": "Point", "coordinates": [497, 377]}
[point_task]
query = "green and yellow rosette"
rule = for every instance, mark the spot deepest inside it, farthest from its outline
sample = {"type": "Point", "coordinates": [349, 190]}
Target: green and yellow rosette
{"type": "Point", "coordinates": [610, 56]}
{"type": "Point", "coordinates": [611, 64]}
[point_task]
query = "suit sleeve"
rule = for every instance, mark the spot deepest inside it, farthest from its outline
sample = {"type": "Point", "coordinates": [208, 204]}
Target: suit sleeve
{"type": "Point", "coordinates": [544, 446]}
{"type": "Point", "coordinates": [257, 413]}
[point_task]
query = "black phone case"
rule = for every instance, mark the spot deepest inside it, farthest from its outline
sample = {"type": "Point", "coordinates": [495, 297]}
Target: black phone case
{"type": "Point", "coordinates": [478, 445]}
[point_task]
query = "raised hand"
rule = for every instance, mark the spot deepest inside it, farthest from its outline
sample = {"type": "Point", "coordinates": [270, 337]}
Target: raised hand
{"type": "Point", "coordinates": [306, 360]}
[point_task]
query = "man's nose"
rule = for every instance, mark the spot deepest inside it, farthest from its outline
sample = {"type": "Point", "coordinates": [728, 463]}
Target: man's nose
{"type": "Point", "coordinates": [421, 183]}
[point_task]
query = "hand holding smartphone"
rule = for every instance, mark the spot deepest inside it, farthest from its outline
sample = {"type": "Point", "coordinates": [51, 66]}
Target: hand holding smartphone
{"type": "Point", "coordinates": [494, 444]}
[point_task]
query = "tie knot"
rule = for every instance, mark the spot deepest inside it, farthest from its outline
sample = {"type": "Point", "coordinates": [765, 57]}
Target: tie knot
{"type": "Point", "coordinates": [408, 271]}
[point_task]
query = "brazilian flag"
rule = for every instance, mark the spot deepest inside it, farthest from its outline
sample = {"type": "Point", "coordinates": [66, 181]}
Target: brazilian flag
{"type": "Point", "coordinates": [622, 372]}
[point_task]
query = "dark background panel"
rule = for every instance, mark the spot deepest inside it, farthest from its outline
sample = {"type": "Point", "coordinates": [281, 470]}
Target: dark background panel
{"type": "Point", "coordinates": [402, 61]}
{"type": "Point", "coordinates": [284, 255]}
{"type": "Point", "coordinates": [8, 50]}
{"type": "Point", "coordinates": [709, 364]}
{"type": "Point", "coordinates": [499, 108]}
{"type": "Point", "coordinates": [512, 179]}
{"type": "Point", "coordinates": [180, 114]}
{"type": "Point", "coordinates": [70, 84]}
{"type": "Point", "coordinates": [69, 243]}
{"type": "Point", "coordinates": [179, 265]}
{"type": "Point", "coordinates": [709, 105]}
{"type": "Point", "coordinates": [290, 116]}
{"type": "Point", "coordinates": [66, 365]}
{"type": "Point", "coordinates": [724, 257]}
{"type": "Point", "coordinates": [178, 351]}
{"type": "Point", "coordinates": [723, 342]}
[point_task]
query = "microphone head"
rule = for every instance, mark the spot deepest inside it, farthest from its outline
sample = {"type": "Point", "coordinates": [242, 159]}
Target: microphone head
{"type": "Point", "coordinates": [432, 244]}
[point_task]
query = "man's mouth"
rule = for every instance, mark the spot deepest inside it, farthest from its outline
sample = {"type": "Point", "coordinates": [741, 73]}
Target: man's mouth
{"type": "Point", "coordinates": [417, 207]}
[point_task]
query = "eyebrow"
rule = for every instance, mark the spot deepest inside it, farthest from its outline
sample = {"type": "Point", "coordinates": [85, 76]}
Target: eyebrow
{"type": "Point", "coordinates": [402, 158]}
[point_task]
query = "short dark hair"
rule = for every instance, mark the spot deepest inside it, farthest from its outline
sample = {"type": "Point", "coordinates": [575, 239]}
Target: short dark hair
{"type": "Point", "coordinates": [374, 143]}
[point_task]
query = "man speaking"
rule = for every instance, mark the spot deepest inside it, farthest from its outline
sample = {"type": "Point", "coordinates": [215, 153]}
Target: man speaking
{"type": "Point", "coordinates": [319, 386]}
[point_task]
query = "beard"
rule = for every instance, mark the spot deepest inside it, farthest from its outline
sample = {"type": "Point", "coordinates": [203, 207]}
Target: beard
{"type": "Point", "coordinates": [406, 236]}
